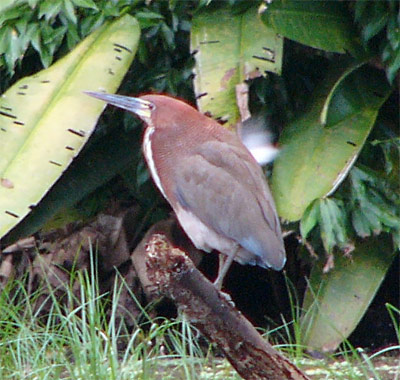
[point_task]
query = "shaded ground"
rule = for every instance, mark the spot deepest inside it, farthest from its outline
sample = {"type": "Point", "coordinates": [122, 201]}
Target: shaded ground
{"type": "Point", "coordinates": [387, 368]}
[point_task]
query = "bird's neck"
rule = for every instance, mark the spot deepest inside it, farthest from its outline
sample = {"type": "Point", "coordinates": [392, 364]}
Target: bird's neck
{"type": "Point", "coordinates": [149, 156]}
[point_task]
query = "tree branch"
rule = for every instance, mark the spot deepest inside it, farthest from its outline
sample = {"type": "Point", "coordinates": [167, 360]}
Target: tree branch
{"type": "Point", "coordinates": [171, 273]}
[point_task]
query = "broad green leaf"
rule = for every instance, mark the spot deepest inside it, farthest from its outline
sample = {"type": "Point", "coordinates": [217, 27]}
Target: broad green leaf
{"type": "Point", "coordinates": [46, 119]}
{"type": "Point", "coordinates": [230, 48]}
{"type": "Point", "coordinates": [335, 302]}
{"type": "Point", "coordinates": [325, 25]}
{"type": "Point", "coordinates": [342, 77]}
{"type": "Point", "coordinates": [316, 158]}
{"type": "Point", "coordinates": [93, 168]}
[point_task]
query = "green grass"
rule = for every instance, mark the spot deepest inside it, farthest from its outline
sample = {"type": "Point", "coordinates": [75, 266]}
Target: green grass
{"type": "Point", "coordinates": [83, 342]}
{"type": "Point", "coordinates": [83, 338]}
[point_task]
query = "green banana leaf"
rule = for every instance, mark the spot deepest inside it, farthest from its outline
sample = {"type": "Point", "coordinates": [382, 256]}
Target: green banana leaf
{"type": "Point", "coordinates": [95, 166]}
{"type": "Point", "coordinates": [230, 48]}
{"type": "Point", "coordinates": [316, 157]}
{"type": "Point", "coordinates": [45, 119]}
{"type": "Point", "coordinates": [325, 25]}
{"type": "Point", "coordinates": [335, 302]}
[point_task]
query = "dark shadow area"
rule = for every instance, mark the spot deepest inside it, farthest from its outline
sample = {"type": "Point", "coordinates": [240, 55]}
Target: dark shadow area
{"type": "Point", "coordinates": [376, 329]}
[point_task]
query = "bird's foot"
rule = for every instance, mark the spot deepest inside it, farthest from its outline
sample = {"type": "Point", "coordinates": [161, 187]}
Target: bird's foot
{"type": "Point", "coordinates": [227, 298]}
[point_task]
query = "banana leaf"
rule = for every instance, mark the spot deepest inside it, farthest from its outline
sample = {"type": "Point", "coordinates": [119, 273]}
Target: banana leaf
{"type": "Point", "coordinates": [228, 49]}
{"type": "Point", "coordinates": [45, 119]}
{"type": "Point", "coordinates": [320, 146]}
{"type": "Point", "coordinates": [108, 155]}
{"type": "Point", "coordinates": [325, 25]}
{"type": "Point", "coordinates": [335, 302]}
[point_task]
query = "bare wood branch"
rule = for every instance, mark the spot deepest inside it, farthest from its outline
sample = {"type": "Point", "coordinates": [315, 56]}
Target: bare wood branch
{"type": "Point", "coordinates": [171, 273]}
{"type": "Point", "coordinates": [171, 230]}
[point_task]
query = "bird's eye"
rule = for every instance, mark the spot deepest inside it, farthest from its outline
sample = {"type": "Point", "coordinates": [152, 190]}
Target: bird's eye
{"type": "Point", "coordinates": [152, 107]}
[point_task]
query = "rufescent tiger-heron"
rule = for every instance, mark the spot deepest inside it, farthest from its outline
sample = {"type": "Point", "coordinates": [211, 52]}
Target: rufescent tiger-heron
{"type": "Point", "coordinates": [212, 182]}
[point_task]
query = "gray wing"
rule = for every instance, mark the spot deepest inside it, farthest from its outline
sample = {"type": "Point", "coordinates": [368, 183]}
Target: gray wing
{"type": "Point", "coordinates": [224, 187]}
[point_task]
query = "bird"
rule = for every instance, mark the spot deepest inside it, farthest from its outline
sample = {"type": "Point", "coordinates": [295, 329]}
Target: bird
{"type": "Point", "coordinates": [214, 185]}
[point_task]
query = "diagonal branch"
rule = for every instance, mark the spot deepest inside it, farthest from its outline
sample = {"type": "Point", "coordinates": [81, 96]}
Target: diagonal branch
{"type": "Point", "coordinates": [172, 274]}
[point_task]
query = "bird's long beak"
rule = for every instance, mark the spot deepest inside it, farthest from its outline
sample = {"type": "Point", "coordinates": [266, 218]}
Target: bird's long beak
{"type": "Point", "coordinates": [140, 107]}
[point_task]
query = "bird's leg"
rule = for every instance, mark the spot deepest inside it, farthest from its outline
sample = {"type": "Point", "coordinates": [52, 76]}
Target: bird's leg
{"type": "Point", "coordinates": [223, 267]}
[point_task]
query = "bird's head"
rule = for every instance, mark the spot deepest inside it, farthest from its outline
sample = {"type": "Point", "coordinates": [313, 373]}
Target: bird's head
{"type": "Point", "coordinates": [155, 110]}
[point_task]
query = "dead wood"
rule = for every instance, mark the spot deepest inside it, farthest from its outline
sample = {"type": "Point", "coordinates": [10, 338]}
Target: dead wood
{"type": "Point", "coordinates": [170, 229]}
{"type": "Point", "coordinates": [171, 273]}
{"type": "Point", "coordinates": [48, 263]}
